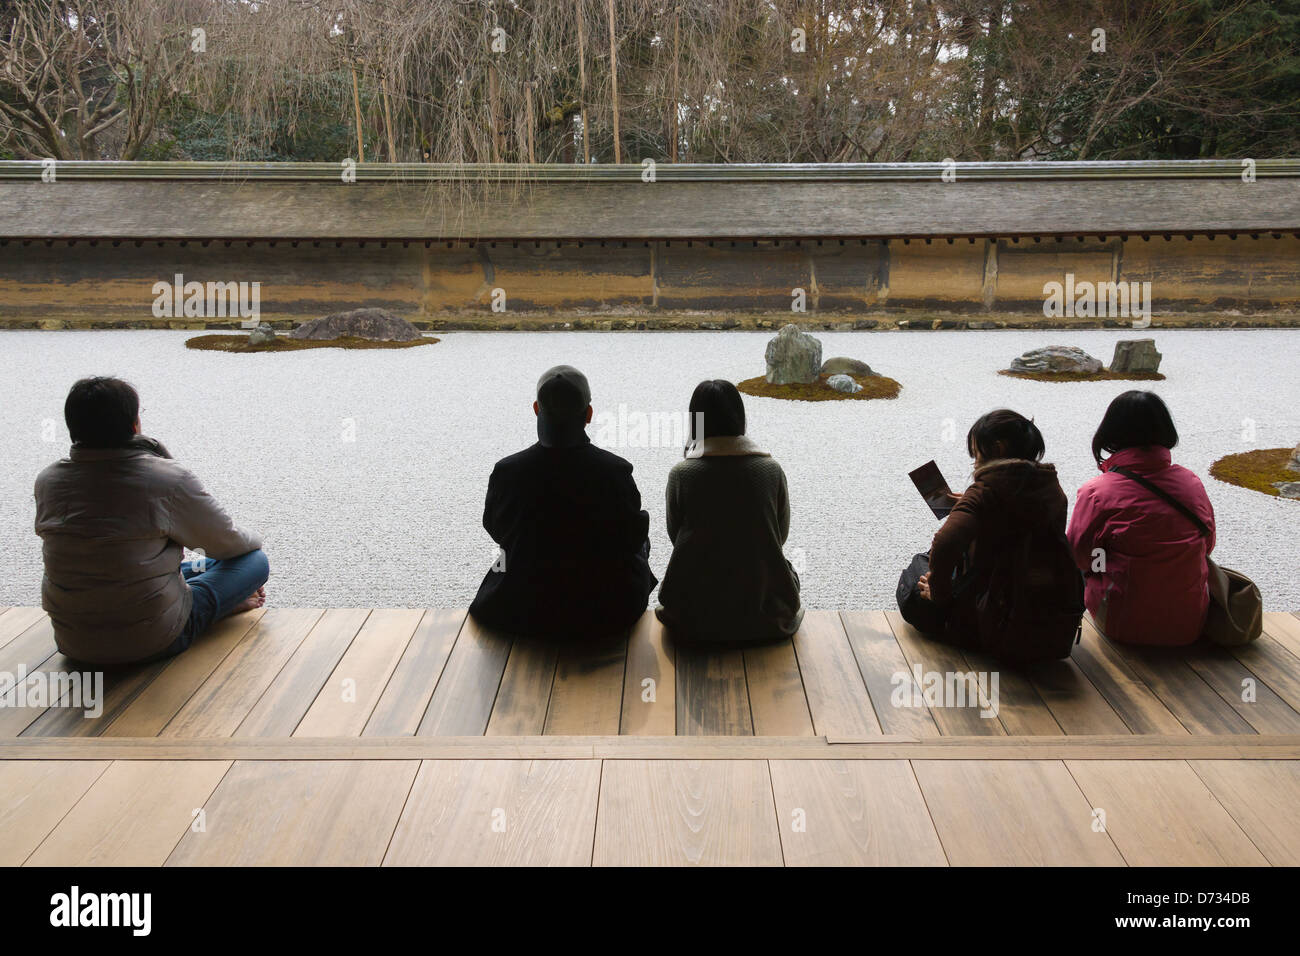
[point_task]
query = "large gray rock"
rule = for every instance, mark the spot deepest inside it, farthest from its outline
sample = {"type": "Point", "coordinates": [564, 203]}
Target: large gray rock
{"type": "Point", "coordinates": [793, 357]}
{"type": "Point", "coordinates": [843, 383]}
{"type": "Point", "coordinates": [846, 366]}
{"type": "Point", "coordinates": [1057, 358]}
{"type": "Point", "coordinates": [1288, 489]}
{"type": "Point", "coordinates": [1135, 355]}
{"type": "Point", "coordinates": [1293, 463]}
{"type": "Point", "coordinates": [262, 335]}
{"type": "Point", "coordinates": [378, 325]}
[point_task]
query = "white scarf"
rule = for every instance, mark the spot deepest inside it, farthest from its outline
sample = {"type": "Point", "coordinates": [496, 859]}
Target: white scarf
{"type": "Point", "coordinates": [723, 445]}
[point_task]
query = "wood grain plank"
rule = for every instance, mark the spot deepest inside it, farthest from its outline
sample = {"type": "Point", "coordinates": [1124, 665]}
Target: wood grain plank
{"type": "Point", "coordinates": [1260, 795]}
{"type": "Point", "coordinates": [348, 697]}
{"type": "Point", "coordinates": [649, 681]}
{"type": "Point", "coordinates": [235, 685]}
{"type": "Point", "coordinates": [837, 695]}
{"type": "Point", "coordinates": [68, 717]}
{"type": "Point", "coordinates": [405, 699]}
{"type": "Point", "coordinates": [1012, 813]}
{"type": "Point", "coordinates": [1021, 711]}
{"type": "Point", "coordinates": [1074, 700]}
{"type": "Point", "coordinates": [124, 685]}
{"type": "Point", "coordinates": [587, 696]}
{"type": "Point", "coordinates": [876, 747]}
{"type": "Point", "coordinates": [712, 696]}
{"type": "Point", "coordinates": [38, 687]}
{"type": "Point", "coordinates": [133, 815]}
{"type": "Point", "coordinates": [461, 704]}
{"type": "Point", "coordinates": [300, 813]}
{"type": "Point", "coordinates": [1160, 813]}
{"type": "Point", "coordinates": [16, 620]}
{"type": "Point", "coordinates": [290, 696]}
{"type": "Point", "coordinates": [891, 683]}
{"type": "Point", "coordinates": [499, 813]}
{"type": "Point", "coordinates": [34, 796]}
{"type": "Point", "coordinates": [1265, 711]}
{"type": "Point", "coordinates": [955, 715]}
{"type": "Point", "coordinates": [30, 648]}
{"type": "Point", "coordinates": [1196, 705]}
{"type": "Point", "coordinates": [1274, 665]}
{"type": "Point", "coordinates": [1284, 629]}
{"type": "Point", "coordinates": [776, 696]}
{"type": "Point", "coordinates": [853, 813]}
{"type": "Point", "coordinates": [686, 812]}
{"type": "Point", "coordinates": [1135, 702]}
{"type": "Point", "coordinates": [149, 712]}
{"type": "Point", "coordinates": [525, 689]}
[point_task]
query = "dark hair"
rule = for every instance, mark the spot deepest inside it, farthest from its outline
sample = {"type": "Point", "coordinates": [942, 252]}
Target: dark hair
{"type": "Point", "coordinates": [716, 405]}
{"type": "Point", "coordinates": [1003, 433]}
{"type": "Point", "coordinates": [1134, 419]}
{"type": "Point", "coordinates": [101, 412]}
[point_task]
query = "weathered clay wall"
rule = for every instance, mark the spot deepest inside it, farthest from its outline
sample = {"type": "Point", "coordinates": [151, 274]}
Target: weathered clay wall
{"type": "Point", "coordinates": [105, 282]}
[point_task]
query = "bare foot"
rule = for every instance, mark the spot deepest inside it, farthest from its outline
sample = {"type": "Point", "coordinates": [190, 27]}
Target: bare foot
{"type": "Point", "coordinates": [252, 603]}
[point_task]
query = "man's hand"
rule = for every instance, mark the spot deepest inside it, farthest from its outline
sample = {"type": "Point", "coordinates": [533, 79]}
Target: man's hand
{"type": "Point", "coordinates": [923, 586]}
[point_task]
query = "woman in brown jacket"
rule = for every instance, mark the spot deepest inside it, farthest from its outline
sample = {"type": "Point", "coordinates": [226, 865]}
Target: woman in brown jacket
{"type": "Point", "coordinates": [1012, 491]}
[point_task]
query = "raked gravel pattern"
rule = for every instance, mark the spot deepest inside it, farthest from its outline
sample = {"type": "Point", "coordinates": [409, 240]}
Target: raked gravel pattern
{"type": "Point", "coordinates": [365, 471]}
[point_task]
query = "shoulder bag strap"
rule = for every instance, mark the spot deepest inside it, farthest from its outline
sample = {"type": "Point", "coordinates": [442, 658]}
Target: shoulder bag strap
{"type": "Point", "coordinates": [1155, 489]}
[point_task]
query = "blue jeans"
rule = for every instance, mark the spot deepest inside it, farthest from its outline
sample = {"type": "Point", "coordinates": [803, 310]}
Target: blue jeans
{"type": "Point", "coordinates": [217, 587]}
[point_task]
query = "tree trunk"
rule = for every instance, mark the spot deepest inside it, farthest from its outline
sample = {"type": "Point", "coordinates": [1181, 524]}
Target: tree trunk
{"type": "Point", "coordinates": [582, 85]}
{"type": "Point", "coordinates": [528, 119]}
{"type": "Point", "coordinates": [388, 118]}
{"type": "Point", "coordinates": [494, 108]}
{"type": "Point", "coordinates": [356, 104]}
{"type": "Point", "coordinates": [673, 131]}
{"type": "Point", "coordinates": [613, 81]}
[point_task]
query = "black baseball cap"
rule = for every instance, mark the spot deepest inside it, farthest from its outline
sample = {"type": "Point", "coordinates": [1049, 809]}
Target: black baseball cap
{"type": "Point", "coordinates": [562, 399]}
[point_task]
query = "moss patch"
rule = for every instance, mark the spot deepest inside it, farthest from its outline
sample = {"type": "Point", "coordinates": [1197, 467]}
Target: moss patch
{"type": "Point", "coordinates": [873, 386]}
{"type": "Point", "coordinates": [239, 343]}
{"type": "Point", "coordinates": [1256, 470]}
{"type": "Point", "coordinates": [1104, 375]}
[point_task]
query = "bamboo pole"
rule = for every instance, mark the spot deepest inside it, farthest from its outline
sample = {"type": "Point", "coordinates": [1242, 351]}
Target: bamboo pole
{"type": "Point", "coordinates": [582, 85]}
{"type": "Point", "coordinates": [356, 103]}
{"type": "Point", "coordinates": [613, 81]}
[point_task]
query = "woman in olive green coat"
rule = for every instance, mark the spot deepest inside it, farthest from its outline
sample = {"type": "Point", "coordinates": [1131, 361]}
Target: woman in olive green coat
{"type": "Point", "coordinates": [728, 580]}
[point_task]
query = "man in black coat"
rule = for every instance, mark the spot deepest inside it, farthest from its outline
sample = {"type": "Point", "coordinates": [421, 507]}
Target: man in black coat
{"type": "Point", "coordinates": [574, 541]}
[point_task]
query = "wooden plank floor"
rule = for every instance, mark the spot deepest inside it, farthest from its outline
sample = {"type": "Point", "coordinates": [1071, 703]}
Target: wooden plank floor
{"type": "Point", "coordinates": [392, 673]}
{"type": "Point", "coordinates": [381, 675]}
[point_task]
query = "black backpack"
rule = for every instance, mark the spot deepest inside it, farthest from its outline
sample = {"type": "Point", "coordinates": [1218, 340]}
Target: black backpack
{"type": "Point", "coordinates": [1031, 606]}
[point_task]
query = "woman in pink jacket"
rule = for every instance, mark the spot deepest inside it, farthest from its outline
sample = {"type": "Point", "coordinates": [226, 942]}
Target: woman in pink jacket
{"type": "Point", "coordinates": [1142, 555]}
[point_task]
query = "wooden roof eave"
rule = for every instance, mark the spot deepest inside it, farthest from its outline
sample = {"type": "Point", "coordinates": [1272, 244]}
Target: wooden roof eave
{"type": "Point", "coordinates": [209, 201]}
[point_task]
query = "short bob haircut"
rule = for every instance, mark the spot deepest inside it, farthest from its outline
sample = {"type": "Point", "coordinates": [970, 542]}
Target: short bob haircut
{"type": "Point", "coordinates": [1003, 433]}
{"type": "Point", "coordinates": [101, 412]}
{"type": "Point", "coordinates": [717, 410]}
{"type": "Point", "coordinates": [1135, 419]}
